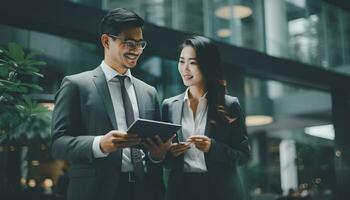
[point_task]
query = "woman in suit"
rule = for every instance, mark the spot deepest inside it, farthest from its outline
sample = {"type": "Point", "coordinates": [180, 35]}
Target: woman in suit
{"type": "Point", "coordinates": [213, 139]}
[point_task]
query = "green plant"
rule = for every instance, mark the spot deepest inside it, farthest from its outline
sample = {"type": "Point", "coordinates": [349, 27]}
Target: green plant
{"type": "Point", "coordinates": [22, 119]}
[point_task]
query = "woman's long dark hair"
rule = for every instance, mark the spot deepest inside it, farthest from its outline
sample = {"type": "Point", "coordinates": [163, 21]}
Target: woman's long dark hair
{"type": "Point", "coordinates": [208, 58]}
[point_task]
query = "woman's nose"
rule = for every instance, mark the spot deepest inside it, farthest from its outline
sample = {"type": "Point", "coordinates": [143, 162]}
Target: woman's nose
{"type": "Point", "coordinates": [187, 67]}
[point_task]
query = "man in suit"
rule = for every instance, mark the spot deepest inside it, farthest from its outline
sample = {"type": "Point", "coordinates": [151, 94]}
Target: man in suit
{"type": "Point", "coordinates": [92, 113]}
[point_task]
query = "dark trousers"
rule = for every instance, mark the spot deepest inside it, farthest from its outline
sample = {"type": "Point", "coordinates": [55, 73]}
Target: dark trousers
{"type": "Point", "coordinates": [196, 186]}
{"type": "Point", "coordinates": [130, 189]}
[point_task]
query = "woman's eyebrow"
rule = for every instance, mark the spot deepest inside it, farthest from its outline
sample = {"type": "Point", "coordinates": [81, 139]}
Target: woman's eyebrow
{"type": "Point", "coordinates": [193, 58]}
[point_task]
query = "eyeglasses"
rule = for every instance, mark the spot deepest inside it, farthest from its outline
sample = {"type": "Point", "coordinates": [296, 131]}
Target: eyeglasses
{"type": "Point", "coordinates": [131, 43]}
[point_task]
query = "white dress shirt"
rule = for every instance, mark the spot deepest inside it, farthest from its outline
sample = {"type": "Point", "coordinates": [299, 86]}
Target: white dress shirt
{"type": "Point", "coordinates": [194, 160]}
{"type": "Point", "coordinates": [114, 89]}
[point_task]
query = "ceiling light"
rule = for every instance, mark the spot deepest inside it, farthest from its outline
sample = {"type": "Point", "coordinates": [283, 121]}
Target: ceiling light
{"type": "Point", "coordinates": [323, 131]}
{"type": "Point", "coordinates": [224, 33]}
{"type": "Point", "coordinates": [258, 120]}
{"type": "Point", "coordinates": [35, 162]}
{"type": "Point", "coordinates": [238, 11]}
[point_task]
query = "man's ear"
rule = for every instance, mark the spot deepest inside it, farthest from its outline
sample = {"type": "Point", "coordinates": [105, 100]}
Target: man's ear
{"type": "Point", "coordinates": [105, 41]}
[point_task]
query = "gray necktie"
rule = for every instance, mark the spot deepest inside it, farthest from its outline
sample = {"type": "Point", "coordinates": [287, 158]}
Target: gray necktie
{"type": "Point", "coordinates": [136, 155]}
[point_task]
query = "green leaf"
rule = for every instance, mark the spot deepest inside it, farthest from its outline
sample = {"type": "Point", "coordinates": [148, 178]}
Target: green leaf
{"type": "Point", "coordinates": [34, 62]}
{"type": "Point", "coordinates": [6, 53]}
{"type": "Point", "coordinates": [32, 86]}
{"type": "Point", "coordinates": [15, 51]}
{"type": "Point", "coordinates": [7, 82]}
{"type": "Point", "coordinates": [5, 61]}
{"type": "Point", "coordinates": [4, 71]}
{"type": "Point", "coordinates": [32, 69]}
{"type": "Point", "coordinates": [18, 89]}
{"type": "Point", "coordinates": [9, 66]}
{"type": "Point", "coordinates": [32, 54]}
{"type": "Point", "coordinates": [32, 73]}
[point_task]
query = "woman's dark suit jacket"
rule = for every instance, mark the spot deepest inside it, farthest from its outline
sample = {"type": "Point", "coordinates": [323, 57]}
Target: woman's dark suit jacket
{"type": "Point", "coordinates": [229, 148]}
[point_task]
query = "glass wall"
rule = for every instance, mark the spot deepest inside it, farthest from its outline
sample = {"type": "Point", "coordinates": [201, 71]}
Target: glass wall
{"type": "Point", "coordinates": [308, 31]}
{"type": "Point", "coordinates": [294, 151]}
{"type": "Point", "coordinates": [63, 56]}
{"type": "Point", "coordinates": [318, 34]}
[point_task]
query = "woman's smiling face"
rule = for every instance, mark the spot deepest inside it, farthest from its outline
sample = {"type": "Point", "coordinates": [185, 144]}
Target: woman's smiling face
{"type": "Point", "coordinates": [189, 68]}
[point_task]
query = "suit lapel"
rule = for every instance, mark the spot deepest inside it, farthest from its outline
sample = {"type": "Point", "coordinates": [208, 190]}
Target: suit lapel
{"type": "Point", "coordinates": [206, 131]}
{"type": "Point", "coordinates": [177, 108]}
{"type": "Point", "coordinates": [102, 88]}
{"type": "Point", "coordinates": [140, 93]}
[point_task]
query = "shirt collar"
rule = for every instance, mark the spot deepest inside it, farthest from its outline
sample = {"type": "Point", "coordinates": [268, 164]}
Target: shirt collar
{"type": "Point", "coordinates": [110, 73]}
{"type": "Point", "coordinates": [188, 90]}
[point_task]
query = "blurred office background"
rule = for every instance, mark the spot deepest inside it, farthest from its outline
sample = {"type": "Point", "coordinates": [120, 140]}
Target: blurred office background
{"type": "Point", "coordinates": [288, 61]}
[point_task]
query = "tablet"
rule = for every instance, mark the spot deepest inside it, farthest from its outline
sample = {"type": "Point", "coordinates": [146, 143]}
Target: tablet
{"type": "Point", "coordinates": [149, 128]}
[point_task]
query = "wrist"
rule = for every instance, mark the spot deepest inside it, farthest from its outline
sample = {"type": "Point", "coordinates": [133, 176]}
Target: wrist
{"type": "Point", "coordinates": [157, 157]}
{"type": "Point", "coordinates": [101, 148]}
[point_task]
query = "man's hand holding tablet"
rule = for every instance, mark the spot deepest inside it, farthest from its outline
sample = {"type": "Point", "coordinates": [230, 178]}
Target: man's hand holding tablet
{"type": "Point", "coordinates": [156, 136]}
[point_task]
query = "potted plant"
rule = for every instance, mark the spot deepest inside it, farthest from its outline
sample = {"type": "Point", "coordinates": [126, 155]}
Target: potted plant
{"type": "Point", "coordinates": [23, 121]}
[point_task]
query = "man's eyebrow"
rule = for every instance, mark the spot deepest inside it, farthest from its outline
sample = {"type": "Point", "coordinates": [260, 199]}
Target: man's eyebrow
{"type": "Point", "coordinates": [134, 39]}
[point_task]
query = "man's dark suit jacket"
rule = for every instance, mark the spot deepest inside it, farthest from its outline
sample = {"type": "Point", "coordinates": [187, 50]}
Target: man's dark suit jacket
{"type": "Point", "coordinates": [84, 110]}
{"type": "Point", "coordinates": [229, 148]}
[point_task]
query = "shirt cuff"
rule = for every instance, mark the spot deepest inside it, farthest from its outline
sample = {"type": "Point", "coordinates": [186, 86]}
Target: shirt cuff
{"type": "Point", "coordinates": [154, 161]}
{"type": "Point", "coordinates": [96, 148]}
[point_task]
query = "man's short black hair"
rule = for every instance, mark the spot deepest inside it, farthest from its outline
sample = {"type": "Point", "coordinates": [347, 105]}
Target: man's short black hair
{"type": "Point", "coordinates": [118, 19]}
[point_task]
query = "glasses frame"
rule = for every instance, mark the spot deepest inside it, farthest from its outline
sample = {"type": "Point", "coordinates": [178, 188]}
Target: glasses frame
{"type": "Point", "coordinates": [130, 42]}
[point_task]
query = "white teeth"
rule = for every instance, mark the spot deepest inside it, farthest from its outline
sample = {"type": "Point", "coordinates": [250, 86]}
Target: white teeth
{"type": "Point", "coordinates": [131, 57]}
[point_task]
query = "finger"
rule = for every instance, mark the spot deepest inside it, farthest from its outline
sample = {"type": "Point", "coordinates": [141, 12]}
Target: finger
{"type": "Point", "coordinates": [180, 146]}
{"type": "Point", "coordinates": [125, 135]}
{"type": "Point", "coordinates": [194, 140]}
{"type": "Point", "coordinates": [128, 142]}
{"type": "Point", "coordinates": [151, 143]}
{"type": "Point", "coordinates": [159, 140]}
{"type": "Point", "coordinates": [182, 149]}
{"type": "Point", "coordinates": [177, 154]}
{"type": "Point", "coordinates": [200, 146]}
{"type": "Point", "coordinates": [174, 147]}
{"type": "Point", "coordinates": [118, 140]}
{"type": "Point", "coordinates": [126, 139]}
{"type": "Point", "coordinates": [124, 145]}
{"type": "Point", "coordinates": [203, 143]}
{"type": "Point", "coordinates": [171, 139]}
{"type": "Point", "coordinates": [199, 137]}
{"type": "Point", "coordinates": [146, 145]}
{"type": "Point", "coordinates": [175, 144]}
{"type": "Point", "coordinates": [185, 144]}
{"type": "Point", "coordinates": [180, 152]}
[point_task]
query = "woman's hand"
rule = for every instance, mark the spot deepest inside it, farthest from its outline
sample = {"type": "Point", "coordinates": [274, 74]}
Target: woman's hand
{"type": "Point", "coordinates": [201, 142]}
{"type": "Point", "coordinates": [179, 148]}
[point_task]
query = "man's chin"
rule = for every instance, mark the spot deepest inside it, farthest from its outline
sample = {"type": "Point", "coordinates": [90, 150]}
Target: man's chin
{"type": "Point", "coordinates": [129, 66]}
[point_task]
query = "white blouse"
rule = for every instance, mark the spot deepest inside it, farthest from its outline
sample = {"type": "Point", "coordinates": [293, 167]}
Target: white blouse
{"type": "Point", "coordinates": [194, 160]}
